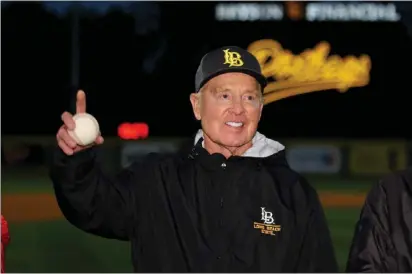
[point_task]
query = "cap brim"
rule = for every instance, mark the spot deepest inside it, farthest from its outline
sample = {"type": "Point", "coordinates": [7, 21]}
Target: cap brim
{"type": "Point", "coordinates": [258, 76]}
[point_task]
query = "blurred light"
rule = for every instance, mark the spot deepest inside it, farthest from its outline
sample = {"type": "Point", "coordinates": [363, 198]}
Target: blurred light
{"type": "Point", "coordinates": [133, 131]}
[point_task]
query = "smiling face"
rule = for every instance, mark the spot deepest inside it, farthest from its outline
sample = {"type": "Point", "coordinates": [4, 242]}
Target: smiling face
{"type": "Point", "coordinates": [229, 107]}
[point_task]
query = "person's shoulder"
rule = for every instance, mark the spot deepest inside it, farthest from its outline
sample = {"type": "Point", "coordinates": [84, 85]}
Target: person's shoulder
{"type": "Point", "coordinates": [398, 178]}
{"type": "Point", "coordinates": [387, 195]}
{"type": "Point", "coordinates": [287, 177]}
{"type": "Point", "coordinates": [170, 159]}
{"type": "Point", "coordinates": [155, 158]}
{"type": "Point", "coordinates": [393, 184]}
{"type": "Point", "coordinates": [152, 163]}
{"type": "Point", "coordinates": [304, 190]}
{"type": "Point", "coordinates": [293, 187]}
{"type": "Point", "coordinates": [162, 159]}
{"type": "Point", "coordinates": [304, 195]}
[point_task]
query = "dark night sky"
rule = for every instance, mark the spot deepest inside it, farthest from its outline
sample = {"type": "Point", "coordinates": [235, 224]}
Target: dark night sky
{"type": "Point", "coordinates": [141, 68]}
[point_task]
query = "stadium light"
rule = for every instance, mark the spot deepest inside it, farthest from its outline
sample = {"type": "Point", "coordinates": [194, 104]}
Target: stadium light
{"type": "Point", "coordinates": [133, 131]}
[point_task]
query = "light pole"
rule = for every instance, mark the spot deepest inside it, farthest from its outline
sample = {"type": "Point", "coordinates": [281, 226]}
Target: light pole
{"type": "Point", "coordinates": [75, 54]}
{"type": "Point", "coordinates": [75, 10]}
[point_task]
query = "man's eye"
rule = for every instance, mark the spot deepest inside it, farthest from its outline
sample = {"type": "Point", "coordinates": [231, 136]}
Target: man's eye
{"type": "Point", "coordinates": [224, 96]}
{"type": "Point", "coordinates": [250, 97]}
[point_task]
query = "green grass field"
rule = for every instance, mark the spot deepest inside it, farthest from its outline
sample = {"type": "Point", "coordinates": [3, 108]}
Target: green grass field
{"type": "Point", "coordinates": [56, 246]}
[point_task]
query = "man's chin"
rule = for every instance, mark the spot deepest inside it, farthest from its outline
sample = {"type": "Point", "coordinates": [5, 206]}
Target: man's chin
{"type": "Point", "coordinates": [234, 143]}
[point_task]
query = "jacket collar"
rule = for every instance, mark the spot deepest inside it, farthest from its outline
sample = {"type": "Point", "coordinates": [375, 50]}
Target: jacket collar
{"type": "Point", "coordinates": [261, 145]}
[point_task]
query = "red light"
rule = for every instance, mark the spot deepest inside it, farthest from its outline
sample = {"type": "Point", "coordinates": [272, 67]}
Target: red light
{"type": "Point", "coordinates": [133, 131]}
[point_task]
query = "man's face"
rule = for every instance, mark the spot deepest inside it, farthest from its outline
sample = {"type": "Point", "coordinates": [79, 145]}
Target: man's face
{"type": "Point", "coordinates": [229, 107]}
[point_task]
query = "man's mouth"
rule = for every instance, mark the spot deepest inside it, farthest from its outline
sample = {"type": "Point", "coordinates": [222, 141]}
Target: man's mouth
{"type": "Point", "coordinates": [234, 124]}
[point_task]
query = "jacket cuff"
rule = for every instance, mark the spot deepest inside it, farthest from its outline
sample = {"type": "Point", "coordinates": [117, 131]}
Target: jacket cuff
{"type": "Point", "coordinates": [79, 158]}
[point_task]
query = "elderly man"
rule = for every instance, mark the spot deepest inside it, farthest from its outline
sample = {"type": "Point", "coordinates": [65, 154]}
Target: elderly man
{"type": "Point", "coordinates": [229, 204]}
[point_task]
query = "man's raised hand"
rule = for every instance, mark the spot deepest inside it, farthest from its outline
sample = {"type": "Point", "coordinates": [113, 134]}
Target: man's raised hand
{"type": "Point", "coordinates": [66, 143]}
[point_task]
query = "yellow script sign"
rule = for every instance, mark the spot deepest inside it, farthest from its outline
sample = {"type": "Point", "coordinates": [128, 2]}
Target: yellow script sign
{"type": "Point", "coordinates": [312, 70]}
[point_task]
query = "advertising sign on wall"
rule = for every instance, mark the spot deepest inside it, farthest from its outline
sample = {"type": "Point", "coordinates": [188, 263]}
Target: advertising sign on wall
{"type": "Point", "coordinates": [377, 158]}
{"type": "Point", "coordinates": [344, 11]}
{"type": "Point", "coordinates": [322, 159]}
{"type": "Point", "coordinates": [325, 11]}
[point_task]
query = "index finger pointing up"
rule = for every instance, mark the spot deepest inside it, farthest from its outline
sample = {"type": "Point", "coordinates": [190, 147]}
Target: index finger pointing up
{"type": "Point", "coordinates": [80, 102]}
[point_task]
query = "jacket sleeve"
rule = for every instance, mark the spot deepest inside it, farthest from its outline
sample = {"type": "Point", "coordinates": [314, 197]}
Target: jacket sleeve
{"type": "Point", "coordinates": [317, 253]}
{"type": "Point", "coordinates": [372, 249]}
{"type": "Point", "coordinates": [90, 199]}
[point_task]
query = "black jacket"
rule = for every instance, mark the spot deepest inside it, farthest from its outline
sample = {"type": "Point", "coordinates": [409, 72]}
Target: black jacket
{"type": "Point", "coordinates": [196, 212]}
{"type": "Point", "coordinates": [383, 236]}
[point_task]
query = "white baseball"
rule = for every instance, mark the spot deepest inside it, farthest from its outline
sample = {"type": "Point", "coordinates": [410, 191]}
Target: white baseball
{"type": "Point", "coordinates": [86, 130]}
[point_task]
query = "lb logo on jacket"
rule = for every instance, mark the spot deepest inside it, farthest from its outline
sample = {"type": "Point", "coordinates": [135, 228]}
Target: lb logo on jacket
{"type": "Point", "coordinates": [268, 225]}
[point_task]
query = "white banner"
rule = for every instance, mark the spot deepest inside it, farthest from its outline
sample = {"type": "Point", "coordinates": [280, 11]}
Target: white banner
{"type": "Point", "coordinates": [315, 159]}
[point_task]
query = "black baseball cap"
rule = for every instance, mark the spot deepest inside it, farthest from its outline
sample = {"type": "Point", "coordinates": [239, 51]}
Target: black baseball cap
{"type": "Point", "coordinates": [228, 59]}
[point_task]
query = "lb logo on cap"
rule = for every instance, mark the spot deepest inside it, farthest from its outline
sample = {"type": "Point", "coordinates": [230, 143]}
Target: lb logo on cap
{"type": "Point", "coordinates": [232, 58]}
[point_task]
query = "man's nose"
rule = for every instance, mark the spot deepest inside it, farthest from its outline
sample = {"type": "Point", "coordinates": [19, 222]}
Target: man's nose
{"type": "Point", "coordinates": [237, 107]}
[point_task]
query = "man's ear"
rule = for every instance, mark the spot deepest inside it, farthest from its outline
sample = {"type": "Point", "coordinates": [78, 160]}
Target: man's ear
{"type": "Point", "coordinates": [195, 100]}
{"type": "Point", "coordinates": [261, 109]}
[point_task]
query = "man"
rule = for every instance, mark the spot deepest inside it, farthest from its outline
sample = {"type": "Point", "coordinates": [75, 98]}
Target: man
{"type": "Point", "coordinates": [383, 237]}
{"type": "Point", "coordinates": [229, 204]}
